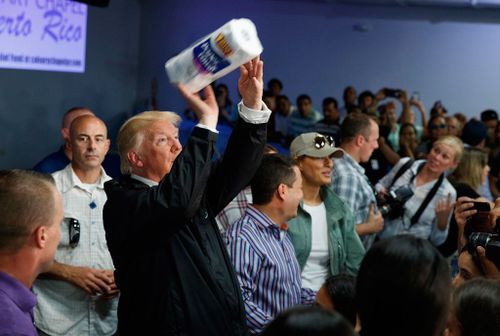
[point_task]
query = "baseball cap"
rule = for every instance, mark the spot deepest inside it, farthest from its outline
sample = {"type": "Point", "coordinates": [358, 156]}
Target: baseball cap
{"type": "Point", "coordinates": [315, 145]}
{"type": "Point", "coordinates": [474, 132]}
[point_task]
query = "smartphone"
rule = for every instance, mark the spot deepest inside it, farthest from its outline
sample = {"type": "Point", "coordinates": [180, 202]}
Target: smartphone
{"type": "Point", "coordinates": [415, 96]}
{"type": "Point", "coordinates": [480, 221]}
{"type": "Point", "coordinates": [392, 93]}
{"type": "Point", "coordinates": [481, 206]}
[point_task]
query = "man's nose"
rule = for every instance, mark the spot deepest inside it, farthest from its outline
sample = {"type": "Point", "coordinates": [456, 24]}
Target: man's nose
{"type": "Point", "coordinates": [91, 144]}
{"type": "Point", "coordinates": [177, 147]}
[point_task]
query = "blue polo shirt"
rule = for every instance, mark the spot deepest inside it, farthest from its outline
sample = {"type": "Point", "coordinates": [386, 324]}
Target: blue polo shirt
{"type": "Point", "coordinates": [16, 307]}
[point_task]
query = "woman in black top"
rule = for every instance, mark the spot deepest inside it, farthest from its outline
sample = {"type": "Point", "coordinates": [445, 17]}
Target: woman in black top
{"type": "Point", "coordinates": [470, 173]}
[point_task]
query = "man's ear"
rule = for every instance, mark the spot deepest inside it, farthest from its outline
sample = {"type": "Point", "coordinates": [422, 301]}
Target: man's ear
{"type": "Point", "coordinates": [65, 133]}
{"type": "Point", "coordinates": [360, 139]}
{"type": "Point", "coordinates": [40, 236]}
{"type": "Point", "coordinates": [135, 159]}
{"type": "Point", "coordinates": [281, 191]}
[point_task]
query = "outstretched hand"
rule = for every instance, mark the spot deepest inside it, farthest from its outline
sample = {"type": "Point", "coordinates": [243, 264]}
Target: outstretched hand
{"type": "Point", "coordinates": [206, 109]}
{"type": "Point", "coordinates": [251, 84]}
{"type": "Point", "coordinates": [444, 206]}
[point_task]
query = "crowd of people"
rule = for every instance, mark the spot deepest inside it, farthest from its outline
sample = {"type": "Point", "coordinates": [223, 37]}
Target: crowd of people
{"type": "Point", "coordinates": [367, 224]}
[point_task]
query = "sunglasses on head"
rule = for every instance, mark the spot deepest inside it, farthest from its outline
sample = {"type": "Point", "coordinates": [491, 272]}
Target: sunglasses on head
{"type": "Point", "coordinates": [321, 140]}
{"type": "Point", "coordinates": [74, 232]}
{"type": "Point", "coordinates": [437, 126]}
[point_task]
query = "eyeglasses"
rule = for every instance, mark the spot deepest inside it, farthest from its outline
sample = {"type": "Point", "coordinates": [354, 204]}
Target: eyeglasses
{"type": "Point", "coordinates": [74, 232]}
{"type": "Point", "coordinates": [321, 140]}
{"type": "Point", "coordinates": [432, 127]}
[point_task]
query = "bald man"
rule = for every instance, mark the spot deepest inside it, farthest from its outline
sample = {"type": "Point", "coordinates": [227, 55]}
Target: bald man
{"type": "Point", "coordinates": [60, 159]}
{"type": "Point", "coordinates": [78, 295]}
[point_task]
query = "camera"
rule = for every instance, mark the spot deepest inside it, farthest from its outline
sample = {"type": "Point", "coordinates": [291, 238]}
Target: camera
{"type": "Point", "coordinates": [481, 221]}
{"type": "Point", "coordinates": [393, 205]}
{"type": "Point", "coordinates": [392, 93]}
{"type": "Point", "coordinates": [490, 242]}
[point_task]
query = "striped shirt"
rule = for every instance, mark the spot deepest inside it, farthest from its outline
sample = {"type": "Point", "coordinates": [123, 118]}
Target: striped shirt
{"type": "Point", "coordinates": [269, 274]}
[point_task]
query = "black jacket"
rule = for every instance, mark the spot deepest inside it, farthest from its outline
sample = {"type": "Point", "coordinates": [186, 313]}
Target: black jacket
{"type": "Point", "coordinates": [171, 263]}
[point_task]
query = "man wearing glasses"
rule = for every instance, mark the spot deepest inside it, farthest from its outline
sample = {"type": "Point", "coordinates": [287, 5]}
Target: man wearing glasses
{"type": "Point", "coordinates": [78, 295]}
{"type": "Point", "coordinates": [359, 135]}
{"type": "Point", "coordinates": [437, 128]}
{"type": "Point", "coordinates": [172, 268]}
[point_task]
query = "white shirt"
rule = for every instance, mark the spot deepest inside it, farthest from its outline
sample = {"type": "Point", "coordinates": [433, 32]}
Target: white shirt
{"type": "Point", "coordinates": [316, 268]}
{"type": "Point", "coordinates": [64, 309]}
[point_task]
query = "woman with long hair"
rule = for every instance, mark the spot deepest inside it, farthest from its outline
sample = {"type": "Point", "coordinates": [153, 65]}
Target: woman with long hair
{"type": "Point", "coordinates": [467, 178]}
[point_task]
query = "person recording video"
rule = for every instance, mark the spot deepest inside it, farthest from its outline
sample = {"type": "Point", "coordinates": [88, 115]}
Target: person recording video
{"type": "Point", "coordinates": [479, 234]}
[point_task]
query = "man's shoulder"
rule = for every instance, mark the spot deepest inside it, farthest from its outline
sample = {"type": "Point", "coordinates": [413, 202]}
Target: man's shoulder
{"type": "Point", "coordinates": [124, 187]}
{"type": "Point", "coordinates": [242, 227]}
{"type": "Point", "coordinates": [344, 169]}
{"type": "Point", "coordinates": [53, 162]}
{"type": "Point", "coordinates": [247, 228]}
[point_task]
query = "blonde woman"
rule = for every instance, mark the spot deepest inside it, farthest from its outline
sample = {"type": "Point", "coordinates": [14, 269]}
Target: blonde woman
{"type": "Point", "coordinates": [426, 212]}
{"type": "Point", "coordinates": [467, 178]}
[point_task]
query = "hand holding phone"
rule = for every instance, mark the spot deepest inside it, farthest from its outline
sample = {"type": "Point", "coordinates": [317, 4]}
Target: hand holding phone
{"type": "Point", "coordinates": [480, 221]}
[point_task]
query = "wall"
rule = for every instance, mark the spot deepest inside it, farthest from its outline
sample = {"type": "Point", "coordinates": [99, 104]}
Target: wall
{"type": "Point", "coordinates": [32, 102]}
{"type": "Point", "coordinates": [447, 54]}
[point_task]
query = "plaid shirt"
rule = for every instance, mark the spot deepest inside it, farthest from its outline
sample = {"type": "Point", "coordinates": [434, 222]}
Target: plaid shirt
{"type": "Point", "coordinates": [350, 183]}
{"type": "Point", "coordinates": [234, 210]}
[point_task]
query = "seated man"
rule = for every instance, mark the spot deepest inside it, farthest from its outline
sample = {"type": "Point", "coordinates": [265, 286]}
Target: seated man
{"type": "Point", "coordinates": [261, 250]}
{"type": "Point", "coordinates": [304, 118]}
{"type": "Point", "coordinates": [32, 211]}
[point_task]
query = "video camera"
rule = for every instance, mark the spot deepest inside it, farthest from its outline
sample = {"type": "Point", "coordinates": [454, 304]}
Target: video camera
{"type": "Point", "coordinates": [481, 231]}
{"type": "Point", "coordinates": [490, 242]}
